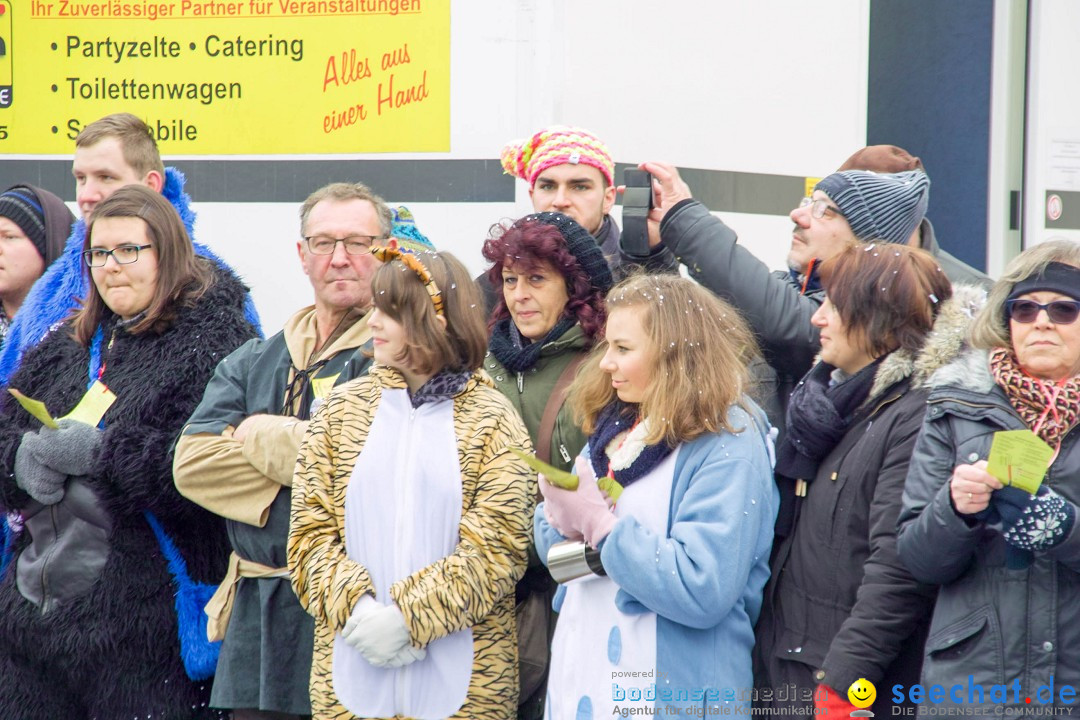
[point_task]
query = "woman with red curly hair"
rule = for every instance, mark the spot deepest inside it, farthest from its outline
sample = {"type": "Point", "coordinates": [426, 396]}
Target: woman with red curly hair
{"type": "Point", "coordinates": [548, 316]}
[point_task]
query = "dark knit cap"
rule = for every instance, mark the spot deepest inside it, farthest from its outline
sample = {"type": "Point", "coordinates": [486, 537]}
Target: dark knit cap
{"type": "Point", "coordinates": [879, 206]}
{"type": "Point", "coordinates": [20, 205]}
{"type": "Point", "coordinates": [42, 217]}
{"type": "Point", "coordinates": [582, 246]}
{"type": "Point", "coordinates": [882, 159]}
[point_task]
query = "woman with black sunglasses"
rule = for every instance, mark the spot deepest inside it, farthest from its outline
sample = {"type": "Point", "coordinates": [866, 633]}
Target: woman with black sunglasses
{"type": "Point", "coordinates": [1006, 558]}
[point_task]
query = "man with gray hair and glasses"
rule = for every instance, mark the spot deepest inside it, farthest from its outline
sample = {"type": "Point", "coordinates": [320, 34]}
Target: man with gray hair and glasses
{"type": "Point", "coordinates": [844, 208]}
{"type": "Point", "coordinates": [235, 456]}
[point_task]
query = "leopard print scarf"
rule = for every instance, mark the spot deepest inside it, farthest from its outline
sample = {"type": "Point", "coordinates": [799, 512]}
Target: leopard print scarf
{"type": "Point", "coordinates": [1049, 409]}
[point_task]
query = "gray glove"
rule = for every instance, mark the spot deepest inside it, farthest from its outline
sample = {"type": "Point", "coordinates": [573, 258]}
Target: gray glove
{"type": "Point", "coordinates": [41, 482]}
{"type": "Point", "coordinates": [70, 450]}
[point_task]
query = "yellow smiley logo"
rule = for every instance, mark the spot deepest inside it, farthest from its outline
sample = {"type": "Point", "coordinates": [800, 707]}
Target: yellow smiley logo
{"type": "Point", "coordinates": [862, 693]}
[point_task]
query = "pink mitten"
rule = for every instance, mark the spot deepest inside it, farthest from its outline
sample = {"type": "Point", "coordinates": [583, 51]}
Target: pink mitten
{"type": "Point", "coordinates": [583, 510]}
{"type": "Point", "coordinates": [555, 499]}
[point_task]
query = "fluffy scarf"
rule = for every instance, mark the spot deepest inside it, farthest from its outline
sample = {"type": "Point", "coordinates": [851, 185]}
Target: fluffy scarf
{"type": "Point", "coordinates": [1049, 409]}
{"type": "Point", "coordinates": [818, 415]}
{"type": "Point", "coordinates": [58, 292]}
{"type": "Point", "coordinates": [511, 349]}
{"type": "Point", "coordinates": [617, 446]}
{"type": "Point", "coordinates": [443, 385]}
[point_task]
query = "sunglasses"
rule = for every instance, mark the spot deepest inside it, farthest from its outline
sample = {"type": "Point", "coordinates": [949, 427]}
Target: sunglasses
{"type": "Point", "coordinates": [1060, 312]}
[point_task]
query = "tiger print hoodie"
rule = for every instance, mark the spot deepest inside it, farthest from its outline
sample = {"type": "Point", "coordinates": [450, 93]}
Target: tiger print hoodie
{"type": "Point", "coordinates": [425, 506]}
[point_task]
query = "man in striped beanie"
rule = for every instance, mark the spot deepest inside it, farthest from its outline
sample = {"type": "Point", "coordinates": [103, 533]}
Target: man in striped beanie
{"type": "Point", "coordinates": [879, 206]}
{"type": "Point", "coordinates": [874, 206]}
{"type": "Point", "coordinates": [893, 159]}
{"type": "Point", "coordinates": [569, 170]}
{"type": "Point", "coordinates": [844, 208]}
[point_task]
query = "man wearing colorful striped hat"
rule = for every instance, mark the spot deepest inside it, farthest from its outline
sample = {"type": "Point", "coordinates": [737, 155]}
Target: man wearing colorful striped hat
{"type": "Point", "coordinates": [570, 170]}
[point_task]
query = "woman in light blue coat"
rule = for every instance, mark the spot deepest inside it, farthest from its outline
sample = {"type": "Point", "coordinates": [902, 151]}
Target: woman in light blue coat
{"type": "Point", "coordinates": [679, 524]}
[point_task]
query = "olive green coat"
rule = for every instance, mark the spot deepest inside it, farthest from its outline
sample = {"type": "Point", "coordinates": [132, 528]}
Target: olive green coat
{"type": "Point", "coordinates": [529, 391]}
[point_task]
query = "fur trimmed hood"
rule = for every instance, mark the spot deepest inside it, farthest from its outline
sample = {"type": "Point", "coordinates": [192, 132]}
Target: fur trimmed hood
{"type": "Point", "coordinates": [970, 371]}
{"type": "Point", "coordinates": [945, 343]}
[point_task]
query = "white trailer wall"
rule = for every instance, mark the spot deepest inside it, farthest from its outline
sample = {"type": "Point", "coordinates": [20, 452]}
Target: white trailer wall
{"type": "Point", "coordinates": [774, 87]}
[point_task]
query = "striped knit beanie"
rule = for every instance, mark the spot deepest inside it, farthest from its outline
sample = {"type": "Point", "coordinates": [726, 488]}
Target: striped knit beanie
{"type": "Point", "coordinates": [405, 234]}
{"type": "Point", "coordinates": [556, 145]}
{"type": "Point", "coordinates": [879, 206]}
{"type": "Point", "coordinates": [21, 206]}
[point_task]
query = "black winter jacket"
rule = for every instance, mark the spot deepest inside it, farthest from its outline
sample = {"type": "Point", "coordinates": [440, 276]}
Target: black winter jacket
{"type": "Point", "coordinates": [99, 646]}
{"type": "Point", "coordinates": [992, 623]}
{"type": "Point", "coordinates": [840, 604]}
{"type": "Point", "coordinates": [158, 381]}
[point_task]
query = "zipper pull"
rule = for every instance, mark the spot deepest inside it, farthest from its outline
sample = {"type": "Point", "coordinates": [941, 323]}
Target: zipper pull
{"type": "Point", "coordinates": [565, 455]}
{"type": "Point", "coordinates": [521, 382]}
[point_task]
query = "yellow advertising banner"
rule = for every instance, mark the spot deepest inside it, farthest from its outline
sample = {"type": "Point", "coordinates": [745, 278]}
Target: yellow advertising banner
{"type": "Point", "coordinates": [229, 77]}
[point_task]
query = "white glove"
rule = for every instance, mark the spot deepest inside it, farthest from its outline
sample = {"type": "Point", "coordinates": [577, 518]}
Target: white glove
{"type": "Point", "coordinates": [364, 607]}
{"type": "Point", "coordinates": [379, 632]}
{"type": "Point", "coordinates": [406, 656]}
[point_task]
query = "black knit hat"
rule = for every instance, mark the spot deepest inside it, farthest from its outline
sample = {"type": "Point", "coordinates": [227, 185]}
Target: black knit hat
{"type": "Point", "coordinates": [41, 215]}
{"type": "Point", "coordinates": [21, 206]}
{"type": "Point", "coordinates": [582, 246]}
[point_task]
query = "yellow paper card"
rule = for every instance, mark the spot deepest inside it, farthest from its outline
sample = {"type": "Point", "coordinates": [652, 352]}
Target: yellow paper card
{"type": "Point", "coordinates": [555, 476]}
{"type": "Point", "coordinates": [1020, 458]}
{"type": "Point", "coordinates": [35, 408]}
{"type": "Point", "coordinates": [93, 405]}
{"type": "Point", "coordinates": [321, 387]}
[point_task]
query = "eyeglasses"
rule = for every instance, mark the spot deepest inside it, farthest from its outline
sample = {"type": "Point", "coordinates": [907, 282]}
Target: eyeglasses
{"type": "Point", "coordinates": [354, 244]}
{"type": "Point", "coordinates": [819, 206]}
{"type": "Point", "coordinates": [1061, 312]}
{"type": "Point", "coordinates": [123, 255]}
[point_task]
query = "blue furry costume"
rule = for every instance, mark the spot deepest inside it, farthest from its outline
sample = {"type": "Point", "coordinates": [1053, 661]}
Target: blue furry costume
{"type": "Point", "coordinates": [58, 291]}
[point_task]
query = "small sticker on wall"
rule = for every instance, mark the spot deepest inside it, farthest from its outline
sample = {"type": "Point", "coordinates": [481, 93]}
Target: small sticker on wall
{"type": "Point", "coordinates": [1053, 207]}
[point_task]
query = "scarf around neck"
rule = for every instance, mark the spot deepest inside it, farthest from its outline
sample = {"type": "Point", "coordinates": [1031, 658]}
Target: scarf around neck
{"type": "Point", "coordinates": [514, 352]}
{"type": "Point", "coordinates": [629, 459]}
{"type": "Point", "coordinates": [818, 415]}
{"type": "Point", "coordinates": [1049, 409]}
{"type": "Point", "coordinates": [443, 385]}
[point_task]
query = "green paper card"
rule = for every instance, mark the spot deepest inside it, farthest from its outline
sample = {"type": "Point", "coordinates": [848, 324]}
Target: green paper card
{"type": "Point", "coordinates": [611, 486]}
{"type": "Point", "coordinates": [555, 476]}
{"type": "Point", "coordinates": [1020, 458]}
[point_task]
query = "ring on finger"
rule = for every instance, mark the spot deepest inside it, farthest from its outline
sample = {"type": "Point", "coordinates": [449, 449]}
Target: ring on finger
{"type": "Point", "coordinates": [969, 497]}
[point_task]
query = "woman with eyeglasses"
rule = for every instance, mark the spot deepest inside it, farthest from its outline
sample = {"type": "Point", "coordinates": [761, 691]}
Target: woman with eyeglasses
{"type": "Point", "coordinates": [1006, 558]}
{"type": "Point", "coordinates": [89, 623]}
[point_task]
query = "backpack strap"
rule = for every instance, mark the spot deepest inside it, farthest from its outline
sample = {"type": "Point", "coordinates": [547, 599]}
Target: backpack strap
{"type": "Point", "coordinates": [554, 404]}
